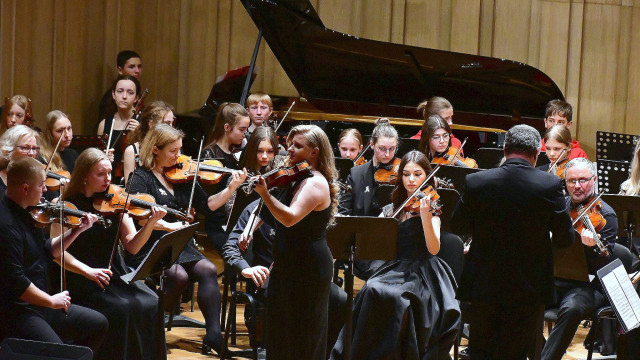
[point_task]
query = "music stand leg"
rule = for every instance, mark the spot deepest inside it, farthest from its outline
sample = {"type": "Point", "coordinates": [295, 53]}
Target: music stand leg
{"type": "Point", "coordinates": [348, 287]}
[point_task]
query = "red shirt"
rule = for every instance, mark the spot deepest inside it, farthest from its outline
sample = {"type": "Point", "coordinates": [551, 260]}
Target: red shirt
{"type": "Point", "coordinates": [576, 150]}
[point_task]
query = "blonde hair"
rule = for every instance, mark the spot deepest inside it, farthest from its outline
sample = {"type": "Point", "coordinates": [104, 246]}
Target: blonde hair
{"type": "Point", "coordinates": [10, 138]}
{"type": "Point", "coordinates": [47, 142]}
{"type": "Point", "coordinates": [350, 133]}
{"type": "Point", "coordinates": [151, 116]}
{"type": "Point", "coordinates": [22, 101]}
{"type": "Point", "coordinates": [84, 163]}
{"type": "Point", "coordinates": [160, 136]}
{"type": "Point", "coordinates": [631, 186]}
{"type": "Point", "coordinates": [257, 97]}
{"type": "Point", "coordinates": [326, 164]}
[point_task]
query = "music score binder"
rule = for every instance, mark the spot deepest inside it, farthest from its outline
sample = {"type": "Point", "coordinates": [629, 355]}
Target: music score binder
{"type": "Point", "coordinates": [621, 294]}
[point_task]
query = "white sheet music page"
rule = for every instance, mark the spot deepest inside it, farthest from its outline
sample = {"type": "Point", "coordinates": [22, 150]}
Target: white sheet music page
{"type": "Point", "coordinates": [623, 297]}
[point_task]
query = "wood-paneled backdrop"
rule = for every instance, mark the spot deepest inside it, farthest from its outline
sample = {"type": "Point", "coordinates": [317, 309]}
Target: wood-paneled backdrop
{"type": "Point", "coordinates": [61, 53]}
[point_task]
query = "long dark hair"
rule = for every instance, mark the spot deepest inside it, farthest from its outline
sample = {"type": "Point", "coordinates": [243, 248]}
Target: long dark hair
{"type": "Point", "coordinates": [429, 127]}
{"type": "Point", "coordinates": [249, 159]}
{"type": "Point", "coordinates": [399, 194]}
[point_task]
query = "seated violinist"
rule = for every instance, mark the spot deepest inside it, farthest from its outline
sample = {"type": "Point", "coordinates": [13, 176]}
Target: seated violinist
{"type": "Point", "coordinates": [436, 144]}
{"type": "Point", "coordinates": [437, 106]}
{"type": "Point", "coordinates": [350, 145]}
{"type": "Point", "coordinates": [58, 126]}
{"type": "Point", "coordinates": [560, 112]}
{"type": "Point", "coordinates": [558, 140]}
{"type": "Point", "coordinates": [160, 150]}
{"type": "Point", "coordinates": [577, 299]}
{"type": "Point", "coordinates": [19, 140]}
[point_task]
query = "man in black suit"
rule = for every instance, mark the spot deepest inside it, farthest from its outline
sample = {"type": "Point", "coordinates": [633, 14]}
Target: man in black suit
{"type": "Point", "coordinates": [508, 273]}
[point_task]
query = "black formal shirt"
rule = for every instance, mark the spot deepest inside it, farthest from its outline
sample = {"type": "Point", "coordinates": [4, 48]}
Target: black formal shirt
{"type": "Point", "coordinates": [69, 157]}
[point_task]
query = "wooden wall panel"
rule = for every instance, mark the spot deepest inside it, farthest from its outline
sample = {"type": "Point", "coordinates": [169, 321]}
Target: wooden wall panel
{"type": "Point", "coordinates": [64, 57]}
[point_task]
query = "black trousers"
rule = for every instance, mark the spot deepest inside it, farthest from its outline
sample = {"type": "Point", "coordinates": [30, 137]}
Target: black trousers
{"type": "Point", "coordinates": [79, 326]}
{"type": "Point", "coordinates": [497, 331]}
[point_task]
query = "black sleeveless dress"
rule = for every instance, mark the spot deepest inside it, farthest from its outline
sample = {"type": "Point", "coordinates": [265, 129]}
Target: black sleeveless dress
{"type": "Point", "coordinates": [299, 286]}
{"type": "Point", "coordinates": [407, 309]}
{"type": "Point", "coordinates": [136, 327]}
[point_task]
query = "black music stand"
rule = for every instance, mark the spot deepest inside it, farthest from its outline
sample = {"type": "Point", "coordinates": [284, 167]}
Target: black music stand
{"type": "Point", "coordinates": [383, 194]}
{"type": "Point", "coordinates": [405, 145]}
{"type": "Point", "coordinates": [343, 165]}
{"type": "Point", "coordinates": [20, 349]}
{"type": "Point", "coordinates": [163, 254]}
{"type": "Point", "coordinates": [489, 158]}
{"type": "Point", "coordinates": [449, 199]}
{"type": "Point", "coordinates": [81, 142]}
{"type": "Point", "coordinates": [629, 206]}
{"type": "Point", "coordinates": [570, 263]}
{"type": "Point", "coordinates": [362, 238]}
{"type": "Point", "coordinates": [455, 174]}
{"type": "Point", "coordinates": [615, 146]}
{"type": "Point", "coordinates": [611, 174]}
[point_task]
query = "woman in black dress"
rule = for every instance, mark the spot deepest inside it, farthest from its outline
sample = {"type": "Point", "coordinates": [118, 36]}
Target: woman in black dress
{"type": "Point", "coordinates": [159, 150]}
{"type": "Point", "coordinates": [299, 285]}
{"type": "Point", "coordinates": [407, 309]}
{"type": "Point", "coordinates": [136, 326]}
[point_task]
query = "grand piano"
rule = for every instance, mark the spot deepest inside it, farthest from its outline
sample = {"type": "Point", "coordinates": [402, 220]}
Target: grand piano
{"type": "Point", "coordinates": [346, 81]}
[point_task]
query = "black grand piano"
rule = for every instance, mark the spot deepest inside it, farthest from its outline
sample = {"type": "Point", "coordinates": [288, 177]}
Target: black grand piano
{"type": "Point", "coordinates": [345, 81]}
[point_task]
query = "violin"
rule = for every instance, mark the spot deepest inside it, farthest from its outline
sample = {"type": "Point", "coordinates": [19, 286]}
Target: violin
{"type": "Point", "coordinates": [388, 173]}
{"type": "Point", "coordinates": [559, 165]}
{"type": "Point", "coordinates": [413, 205]}
{"type": "Point", "coordinates": [138, 207]}
{"type": "Point", "coordinates": [55, 178]}
{"type": "Point", "coordinates": [210, 172]}
{"type": "Point", "coordinates": [359, 159]}
{"type": "Point", "coordinates": [451, 157]}
{"type": "Point", "coordinates": [45, 213]}
{"type": "Point", "coordinates": [590, 217]}
{"type": "Point", "coordinates": [281, 176]}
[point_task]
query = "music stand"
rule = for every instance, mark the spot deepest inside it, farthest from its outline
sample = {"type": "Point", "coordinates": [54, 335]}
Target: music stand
{"type": "Point", "coordinates": [362, 238]}
{"type": "Point", "coordinates": [625, 205]}
{"type": "Point", "coordinates": [383, 194]}
{"type": "Point", "coordinates": [343, 165]}
{"type": "Point", "coordinates": [81, 142]}
{"type": "Point", "coordinates": [20, 349]}
{"type": "Point", "coordinates": [615, 146]}
{"type": "Point", "coordinates": [449, 199]}
{"type": "Point", "coordinates": [489, 158]}
{"type": "Point", "coordinates": [455, 174]}
{"type": "Point", "coordinates": [405, 145]}
{"type": "Point", "coordinates": [570, 263]}
{"type": "Point", "coordinates": [611, 174]}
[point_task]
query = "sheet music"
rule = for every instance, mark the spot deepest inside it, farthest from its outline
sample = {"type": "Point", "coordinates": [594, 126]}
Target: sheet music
{"type": "Point", "coordinates": [623, 297]}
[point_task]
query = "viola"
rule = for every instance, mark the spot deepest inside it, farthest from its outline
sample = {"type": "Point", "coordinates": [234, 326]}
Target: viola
{"type": "Point", "coordinates": [138, 206]}
{"type": "Point", "coordinates": [452, 157]}
{"type": "Point", "coordinates": [281, 176]}
{"type": "Point", "coordinates": [55, 178]}
{"type": "Point", "coordinates": [413, 205]}
{"type": "Point", "coordinates": [46, 213]}
{"type": "Point", "coordinates": [387, 173]}
{"type": "Point", "coordinates": [210, 171]}
{"type": "Point", "coordinates": [590, 217]}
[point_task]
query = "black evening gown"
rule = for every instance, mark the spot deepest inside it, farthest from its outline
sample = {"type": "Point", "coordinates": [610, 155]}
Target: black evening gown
{"type": "Point", "coordinates": [407, 309]}
{"type": "Point", "coordinates": [136, 329]}
{"type": "Point", "coordinates": [299, 287]}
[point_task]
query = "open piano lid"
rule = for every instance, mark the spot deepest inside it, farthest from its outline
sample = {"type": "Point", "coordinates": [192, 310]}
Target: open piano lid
{"type": "Point", "coordinates": [324, 64]}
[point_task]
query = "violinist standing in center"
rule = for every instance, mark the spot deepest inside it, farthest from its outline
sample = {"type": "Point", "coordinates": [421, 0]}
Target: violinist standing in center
{"type": "Point", "coordinates": [508, 272]}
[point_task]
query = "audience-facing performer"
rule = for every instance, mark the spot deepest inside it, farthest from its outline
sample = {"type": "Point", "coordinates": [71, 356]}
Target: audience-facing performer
{"type": "Point", "coordinates": [260, 107]}
{"type": "Point", "coordinates": [299, 286]}
{"type": "Point", "coordinates": [407, 309]}
{"type": "Point", "coordinates": [158, 112]}
{"type": "Point", "coordinates": [27, 309]}
{"type": "Point", "coordinates": [160, 150]}
{"type": "Point", "coordinates": [631, 186]}
{"type": "Point", "coordinates": [128, 62]}
{"type": "Point", "coordinates": [350, 144]}
{"type": "Point", "coordinates": [136, 327]}
{"type": "Point", "coordinates": [560, 112]}
{"type": "Point", "coordinates": [58, 125]}
{"type": "Point", "coordinates": [19, 140]}
{"type": "Point", "coordinates": [437, 106]}
{"type": "Point", "coordinates": [508, 275]}
{"type": "Point", "coordinates": [437, 144]}
{"type": "Point", "coordinates": [558, 140]}
{"type": "Point", "coordinates": [16, 111]}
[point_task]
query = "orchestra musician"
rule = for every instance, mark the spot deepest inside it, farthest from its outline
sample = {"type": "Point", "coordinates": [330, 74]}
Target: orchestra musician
{"type": "Point", "coordinates": [58, 125]}
{"type": "Point", "coordinates": [227, 134]}
{"type": "Point", "coordinates": [160, 150]}
{"type": "Point", "coordinates": [350, 144]}
{"type": "Point", "coordinates": [128, 62]}
{"type": "Point", "coordinates": [299, 284]}
{"type": "Point", "coordinates": [631, 186]}
{"type": "Point", "coordinates": [158, 112]}
{"type": "Point", "coordinates": [559, 145]}
{"type": "Point", "coordinates": [416, 284]}
{"type": "Point", "coordinates": [260, 107]}
{"type": "Point", "coordinates": [19, 140]}
{"type": "Point", "coordinates": [437, 106]}
{"type": "Point", "coordinates": [26, 308]}
{"type": "Point", "coordinates": [136, 328]}
{"type": "Point", "coordinates": [125, 92]}
{"type": "Point", "coordinates": [560, 112]}
{"type": "Point", "coordinates": [508, 275]}
{"type": "Point", "coordinates": [436, 143]}
{"type": "Point", "coordinates": [16, 111]}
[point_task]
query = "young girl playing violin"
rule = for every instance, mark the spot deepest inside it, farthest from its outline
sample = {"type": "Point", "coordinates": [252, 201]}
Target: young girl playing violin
{"type": "Point", "coordinates": [558, 148]}
{"type": "Point", "coordinates": [158, 112]}
{"type": "Point", "coordinates": [16, 111]}
{"type": "Point", "coordinates": [160, 150]}
{"type": "Point", "coordinates": [416, 282]}
{"type": "Point", "coordinates": [125, 92]}
{"type": "Point", "coordinates": [20, 140]}
{"type": "Point", "coordinates": [227, 134]}
{"type": "Point", "coordinates": [362, 200]}
{"type": "Point", "coordinates": [58, 125]}
{"type": "Point", "coordinates": [436, 144]}
{"type": "Point", "coordinates": [350, 145]}
{"type": "Point", "coordinates": [135, 329]}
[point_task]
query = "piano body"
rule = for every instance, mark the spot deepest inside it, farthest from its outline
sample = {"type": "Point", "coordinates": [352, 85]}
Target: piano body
{"type": "Point", "coordinates": [345, 81]}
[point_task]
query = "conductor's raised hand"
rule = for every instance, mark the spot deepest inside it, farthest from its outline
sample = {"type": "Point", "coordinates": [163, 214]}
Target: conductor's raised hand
{"type": "Point", "coordinates": [258, 274]}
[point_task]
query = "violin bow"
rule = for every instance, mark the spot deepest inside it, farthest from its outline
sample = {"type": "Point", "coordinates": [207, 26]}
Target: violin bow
{"type": "Point", "coordinates": [361, 154]}
{"type": "Point", "coordinates": [113, 122]}
{"type": "Point", "coordinates": [252, 220]}
{"type": "Point", "coordinates": [126, 200]}
{"type": "Point", "coordinates": [459, 149]}
{"type": "Point", "coordinates": [46, 169]}
{"type": "Point", "coordinates": [138, 109]}
{"type": "Point", "coordinates": [553, 166]}
{"type": "Point", "coordinates": [63, 278]}
{"type": "Point", "coordinates": [416, 191]}
{"type": "Point", "coordinates": [195, 178]}
{"type": "Point", "coordinates": [284, 117]}
{"type": "Point", "coordinates": [586, 208]}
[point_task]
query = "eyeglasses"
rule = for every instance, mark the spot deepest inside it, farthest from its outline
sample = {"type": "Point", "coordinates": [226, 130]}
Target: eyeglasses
{"type": "Point", "coordinates": [574, 182]}
{"type": "Point", "coordinates": [443, 137]}
{"type": "Point", "coordinates": [28, 149]}
{"type": "Point", "coordinates": [384, 150]}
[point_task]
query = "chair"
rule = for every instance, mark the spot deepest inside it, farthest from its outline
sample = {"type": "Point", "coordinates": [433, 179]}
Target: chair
{"type": "Point", "coordinates": [238, 297]}
{"type": "Point", "coordinates": [452, 253]}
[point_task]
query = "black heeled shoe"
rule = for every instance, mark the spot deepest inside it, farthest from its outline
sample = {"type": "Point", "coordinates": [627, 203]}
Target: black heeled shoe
{"type": "Point", "coordinates": [208, 346]}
